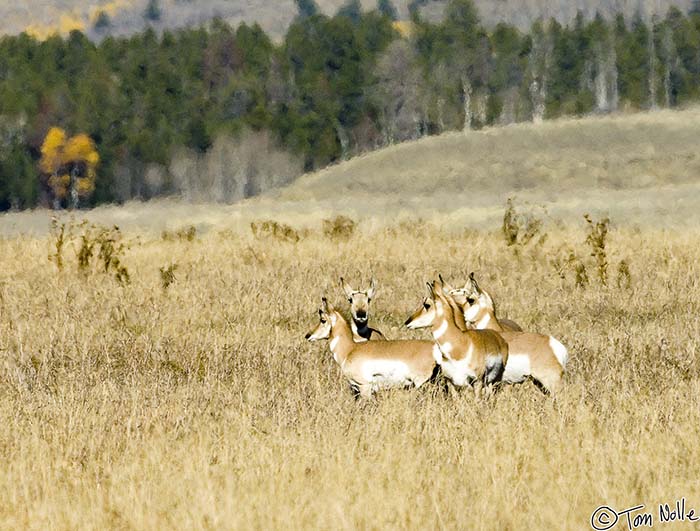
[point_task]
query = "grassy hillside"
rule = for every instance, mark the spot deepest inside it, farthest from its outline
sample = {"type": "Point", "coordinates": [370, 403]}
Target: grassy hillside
{"type": "Point", "coordinates": [42, 17]}
{"type": "Point", "coordinates": [639, 169]}
{"type": "Point", "coordinates": [632, 167]}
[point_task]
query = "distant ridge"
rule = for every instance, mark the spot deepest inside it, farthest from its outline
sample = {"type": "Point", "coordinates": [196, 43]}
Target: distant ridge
{"type": "Point", "coordinates": [43, 17]}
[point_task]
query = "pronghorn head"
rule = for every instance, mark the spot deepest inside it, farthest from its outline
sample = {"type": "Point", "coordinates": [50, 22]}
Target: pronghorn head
{"type": "Point", "coordinates": [326, 314]}
{"type": "Point", "coordinates": [424, 315]}
{"type": "Point", "coordinates": [471, 298]}
{"type": "Point", "coordinates": [359, 300]}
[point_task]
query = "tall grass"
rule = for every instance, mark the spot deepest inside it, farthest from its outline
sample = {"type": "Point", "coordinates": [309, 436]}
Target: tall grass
{"type": "Point", "coordinates": [200, 406]}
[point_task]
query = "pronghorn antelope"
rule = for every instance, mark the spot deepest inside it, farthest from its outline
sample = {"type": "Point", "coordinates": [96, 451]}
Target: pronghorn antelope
{"type": "Point", "coordinates": [374, 365]}
{"type": "Point", "coordinates": [359, 308]}
{"type": "Point", "coordinates": [530, 355]}
{"type": "Point", "coordinates": [476, 357]}
{"type": "Point", "coordinates": [479, 308]}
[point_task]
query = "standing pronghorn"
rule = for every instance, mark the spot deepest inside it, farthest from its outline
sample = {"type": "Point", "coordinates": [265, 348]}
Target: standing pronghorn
{"type": "Point", "coordinates": [530, 355]}
{"type": "Point", "coordinates": [479, 308]}
{"type": "Point", "coordinates": [359, 308]}
{"type": "Point", "coordinates": [374, 365]}
{"type": "Point", "coordinates": [476, 357]}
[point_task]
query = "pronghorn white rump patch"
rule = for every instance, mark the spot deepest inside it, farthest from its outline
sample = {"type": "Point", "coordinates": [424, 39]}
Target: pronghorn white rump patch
{"type": "Point", "coordinates": [517, 368]}
{"type": "Point", "coordinates": [437, 334]}
{"type": "Point", "coordinates": [559, 351]}
{"type": "Point", "coordinates": [386, 373]}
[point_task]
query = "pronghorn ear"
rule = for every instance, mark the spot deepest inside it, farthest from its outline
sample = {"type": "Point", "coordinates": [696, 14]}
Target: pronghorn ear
{"type": "Point", "coordinates": [474, 283]}
{"type": "Point", "coordinates": [447, 286]}
{"type": "Point", "coordinates": [372, 291]}
{"type": "Point", "coordinates": [346, 288]}
{"type": "Point", "coordinates": [327, 307]}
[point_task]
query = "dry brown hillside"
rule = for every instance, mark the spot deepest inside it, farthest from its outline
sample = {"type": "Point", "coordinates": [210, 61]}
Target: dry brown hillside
{"type": "Point", "coordinates": [44, 16]}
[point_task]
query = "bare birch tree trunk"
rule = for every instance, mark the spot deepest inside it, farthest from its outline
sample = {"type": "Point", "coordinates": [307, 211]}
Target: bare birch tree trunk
{"type": "Point", "coordinates": [441, 114]}
{"type": "Point", "coordinates": [73, 188]}
{"type": "Point", "coordinates": [652, 73]}
{"type": "Point", "coordinates": [344, 141]}
{"type": "Point", "coordinates": [467, 98]}
{"type": "Point", "coordinates": [612, 68]}
{"type": "Point", "coordinates": [668, 53]}
{"type": "Point", "coordinates": [538, 96]}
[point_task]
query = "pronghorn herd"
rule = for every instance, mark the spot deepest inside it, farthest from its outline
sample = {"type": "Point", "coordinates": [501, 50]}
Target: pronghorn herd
{"type": "Point", "coordinates": [470, 345]}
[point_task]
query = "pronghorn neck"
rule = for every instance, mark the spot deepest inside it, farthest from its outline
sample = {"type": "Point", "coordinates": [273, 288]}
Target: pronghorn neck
{"type": "Point", "coordinates": [361, 331]}
{"type": "Point", "coordinates": [341, 342]}
{"type": "Point", "coordinates": [457, 314]}
{"type": "Point", "coordinates": [445, 330]}
{"type": "Point", "coordinates": [486, 320]}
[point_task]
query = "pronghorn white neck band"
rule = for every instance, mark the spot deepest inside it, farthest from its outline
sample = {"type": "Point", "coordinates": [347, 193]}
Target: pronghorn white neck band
{"type": "Point", "coordinates": [437, 334]}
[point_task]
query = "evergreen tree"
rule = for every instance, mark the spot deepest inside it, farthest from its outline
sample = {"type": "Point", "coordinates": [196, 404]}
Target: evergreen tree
{"type": "Point", "coordinates": [153, 11]}
{"type": "Point", "coordinates": [306, 8]}
{"type": "Point", "coordinates": [352, 10]}
{"type": "Point", "coordinates": [102, 21]}
{"type": "Point", "coordinates": [387, 8]}
{"type": "Point", "coordinates": [694, 8]}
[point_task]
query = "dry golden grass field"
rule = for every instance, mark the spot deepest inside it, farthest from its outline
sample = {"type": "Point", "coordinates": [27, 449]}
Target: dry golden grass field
{"type": "Point", "coordinates": [192, 401]}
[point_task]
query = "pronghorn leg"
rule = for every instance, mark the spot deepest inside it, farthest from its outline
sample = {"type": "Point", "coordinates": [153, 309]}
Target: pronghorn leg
{"type": "Point", "coordinates": [366, 391]}
{"type": "Point", "coordinates": [451, 388]}
{"type": "Point", "coordinates": [549, 381]}
{"type": "Point", "coordinates": [478, 386]}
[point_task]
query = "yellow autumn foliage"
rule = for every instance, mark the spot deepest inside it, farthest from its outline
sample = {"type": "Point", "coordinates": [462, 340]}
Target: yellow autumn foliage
{"type": "Point", "coordinates": [52, 150]}
{"type": "Point", "coordinates": [58, 153]}
{"type": "Point", "coordinates": [81, 148]}
{"type": "Point", "coordinates": [404, 27]}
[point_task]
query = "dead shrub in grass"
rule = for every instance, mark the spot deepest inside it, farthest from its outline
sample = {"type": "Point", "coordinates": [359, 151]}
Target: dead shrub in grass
{"type": "Point", "coordinates": [188, 234]}
{"type": "Point", "coordinates": [275, 230]}
{"type": "Point", "coordinates": [339, 228]}
{"type": "Point", "coordinates": [520, 227]}
{"type": "Point", "coordinates": [597, 240]}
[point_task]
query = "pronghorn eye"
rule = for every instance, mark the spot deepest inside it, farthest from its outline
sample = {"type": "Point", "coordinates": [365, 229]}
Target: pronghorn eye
{"type": "Point", "coordinates": [470, 300]}
{"type": "Point", "coordinates": [426, 306]}
{"type": "Point", "coordinates": [323, 321]}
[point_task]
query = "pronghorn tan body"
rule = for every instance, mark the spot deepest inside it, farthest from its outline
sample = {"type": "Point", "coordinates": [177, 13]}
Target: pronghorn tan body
{"type": "Point", "coordinates": [537, 356]}
{"type": "Point", "coordinates": [479, 308]}
{"type": "Point", "coordinates": [476, 357]}
{"type": "Point", "coordinates": [359, 309]}
{"type": "Point", "coordinates": [373, 365]}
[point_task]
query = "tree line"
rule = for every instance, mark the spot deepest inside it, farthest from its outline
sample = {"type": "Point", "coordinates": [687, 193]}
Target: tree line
{"type": "Point", "coordinates": [222, 113]}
